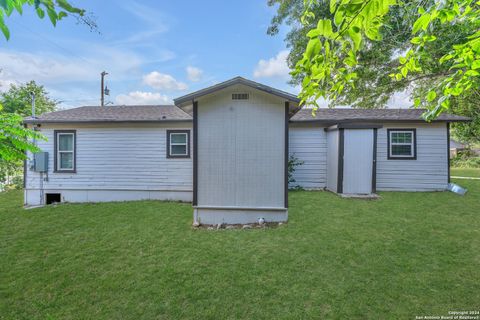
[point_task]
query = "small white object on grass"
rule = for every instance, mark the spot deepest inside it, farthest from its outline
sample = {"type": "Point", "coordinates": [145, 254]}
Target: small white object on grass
{"type": "Point", "coordinates": [261, 221]}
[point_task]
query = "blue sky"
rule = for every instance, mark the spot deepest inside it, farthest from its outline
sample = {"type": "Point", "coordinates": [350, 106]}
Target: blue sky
{"type": "Point", "coordinates": [154, 51]}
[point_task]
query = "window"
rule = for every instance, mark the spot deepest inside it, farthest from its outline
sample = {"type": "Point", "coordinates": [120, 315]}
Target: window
{"type": "Point", "coordinates": [178, 144]}
{"type": "Point", "coordinates": [402, 144]}
{"type": "Point", "coordinates": [65, 151]}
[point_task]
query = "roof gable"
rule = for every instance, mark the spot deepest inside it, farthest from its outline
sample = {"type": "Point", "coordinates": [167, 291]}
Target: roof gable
{"type": "Point", "coordinates": [237, 80]}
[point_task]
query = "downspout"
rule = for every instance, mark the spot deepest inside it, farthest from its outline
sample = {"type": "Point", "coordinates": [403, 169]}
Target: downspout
{"type": "Point", "coordinates": [448, 151]}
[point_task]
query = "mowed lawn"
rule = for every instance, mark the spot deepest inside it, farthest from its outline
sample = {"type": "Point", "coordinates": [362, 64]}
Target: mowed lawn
{"type": "Point", "coordinates": [404, 255]}
{"type": "Point", "coordinates": [465, 172]}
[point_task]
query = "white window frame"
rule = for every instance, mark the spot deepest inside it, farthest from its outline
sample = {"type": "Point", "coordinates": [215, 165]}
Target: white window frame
{"type": "Point", "coordinates": [412, 144]}
{"type": "Point", "coordinates": [184, 133]}
{"type": "Point", "coordinates": [59, 152]}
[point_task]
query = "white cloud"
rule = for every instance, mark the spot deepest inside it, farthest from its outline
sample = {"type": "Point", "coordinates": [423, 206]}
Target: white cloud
{"type": "Point", "coordinates": [275, 67]}
{"type": "Point", "coordinates": [194, 74]}
{"type": "Point", "coordinates": [141, 97]}
{"type": "Point", "coordinates": [6, 83]}
{"type": "Point", "coordinates": [49, 68]}
{"type": "Point", "coordinates": [162, 81]}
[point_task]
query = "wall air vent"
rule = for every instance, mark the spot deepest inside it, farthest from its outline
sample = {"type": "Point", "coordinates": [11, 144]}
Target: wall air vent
{"type": "Point", "coordinates": [239, 96]}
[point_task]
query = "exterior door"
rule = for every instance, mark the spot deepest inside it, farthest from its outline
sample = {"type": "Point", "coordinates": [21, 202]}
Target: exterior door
{"type": "Point", "coordinates": [358, 161]}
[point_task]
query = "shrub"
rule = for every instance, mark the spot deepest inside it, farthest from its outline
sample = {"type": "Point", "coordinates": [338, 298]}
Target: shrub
{"type": "Point", "coordinates": [465, 160]}
{"type": "Point", "coordinates": [293, 163]}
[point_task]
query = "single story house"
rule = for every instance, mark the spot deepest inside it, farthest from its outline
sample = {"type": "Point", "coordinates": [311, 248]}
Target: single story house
{"type": "Point", "coordinates": [225, 149]}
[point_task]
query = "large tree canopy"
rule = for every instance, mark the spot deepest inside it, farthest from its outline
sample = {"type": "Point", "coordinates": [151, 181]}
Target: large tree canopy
{"type": "Point", "coordinates": [359, 53]}
{"type": "Point", "coordinates": [18, 99]}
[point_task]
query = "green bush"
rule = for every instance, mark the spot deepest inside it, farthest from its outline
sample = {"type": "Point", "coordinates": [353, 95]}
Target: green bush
{"type": "Point", "coordinates": [465, 160]}
{"type": "Point", "coordinates": [15, 184]}
{"type": "Point", "coordinates": [293, 163]}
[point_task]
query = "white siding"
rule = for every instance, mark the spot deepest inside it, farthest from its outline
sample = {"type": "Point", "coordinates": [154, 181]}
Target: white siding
{"type": "Point", "coordinates": [332, 160]}
{"type": "Point", "coordinates": [309, 144]}
{"type": "Point", "coordinates": [427, 173]}
{"type": "Point", "coordinates": [117, 158]}
{"type": "Point", "coordinates": [241, 150]}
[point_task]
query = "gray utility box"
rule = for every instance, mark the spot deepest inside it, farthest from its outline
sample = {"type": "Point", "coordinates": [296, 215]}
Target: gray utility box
{"type": "Point", "coordinates": [40, 162]}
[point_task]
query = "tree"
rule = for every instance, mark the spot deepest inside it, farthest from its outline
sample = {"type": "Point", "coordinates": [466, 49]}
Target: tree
{"type": "Point", "coordinates": [363, 37]}
{"type": "Point", "coordinates": [467, 105]}
{"type": "Point", "coordinates": [16, 104]}
{"type": "Point", "coordinates": [18, 99]}
{"type": "Point", "coordinates": [14, 137]}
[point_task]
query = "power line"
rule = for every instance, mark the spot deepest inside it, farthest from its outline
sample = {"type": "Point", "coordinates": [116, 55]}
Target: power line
{"type": "Point", "coordinates": [76, 100]}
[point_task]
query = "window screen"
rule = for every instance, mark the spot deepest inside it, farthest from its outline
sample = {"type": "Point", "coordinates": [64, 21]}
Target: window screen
{"type": "Point", "coordinates": [65, 151]}
{"type": "Point", "coordinates": [178, 144]}
{"type": "Point", "coordinates": [401, 143]}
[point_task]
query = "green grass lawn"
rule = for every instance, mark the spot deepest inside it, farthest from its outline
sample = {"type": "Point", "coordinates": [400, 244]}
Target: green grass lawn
{"type": "Point", "coordinates": [465, 172]}
{"type": "Point", "coordinates": [404, 255]}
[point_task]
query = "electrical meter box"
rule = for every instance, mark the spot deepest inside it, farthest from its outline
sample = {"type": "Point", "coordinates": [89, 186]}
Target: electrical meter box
{"type": "Point", "coordinates": [41, 162]}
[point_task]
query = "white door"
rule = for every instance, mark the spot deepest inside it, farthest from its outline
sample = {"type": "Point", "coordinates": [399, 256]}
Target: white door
{"type": "Point", "coordinates": [358, 161]}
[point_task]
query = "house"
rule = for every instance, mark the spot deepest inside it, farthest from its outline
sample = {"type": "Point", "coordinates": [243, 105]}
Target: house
{"type": "Point", "coordinates": [225, 148]}
{"type": "Point", "coordinates": [455, 148]}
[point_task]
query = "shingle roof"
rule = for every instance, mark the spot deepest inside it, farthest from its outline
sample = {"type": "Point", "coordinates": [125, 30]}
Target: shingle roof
{"type": "Point", "coordinates": [165, 113]}
{"type": "Point", "coordinates": [348, 115]}
{"type": "Point", "coordinates": [151, 113]}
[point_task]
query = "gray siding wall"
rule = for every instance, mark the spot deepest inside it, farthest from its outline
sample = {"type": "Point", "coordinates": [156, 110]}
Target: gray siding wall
{"type": "Point", "coordinates": [241, 150]}
{"type": "Point", "coordinates": [309, 144]}
{"type": "Point", "coordinates": [332, 160]}
{"type": "Point", "coordinates": [428, 173]}
{"type": "Point", "coordinates": [117, 158]}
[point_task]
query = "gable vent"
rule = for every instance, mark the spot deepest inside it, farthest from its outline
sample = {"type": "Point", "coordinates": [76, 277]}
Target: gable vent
{"type": "Point", "coordinates": [239, 96]}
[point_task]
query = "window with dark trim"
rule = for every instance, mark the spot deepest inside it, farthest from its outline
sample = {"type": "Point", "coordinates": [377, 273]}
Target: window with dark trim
{"type": "Point", "coordinates": [402, 144]}
{"type": "Point", "coordinates": [178, 143]}
{"type": "Point", "coordinates": [65, 151]}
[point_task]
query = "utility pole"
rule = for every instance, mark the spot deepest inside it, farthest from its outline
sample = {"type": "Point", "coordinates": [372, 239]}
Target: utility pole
{"type": "Point", "coordinates": [33, 105]}
{"type": "Point", "coordinates": [102, 89]}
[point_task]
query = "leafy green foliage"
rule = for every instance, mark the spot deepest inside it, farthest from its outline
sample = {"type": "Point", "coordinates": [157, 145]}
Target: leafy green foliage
{"type": "Point", "coordinates": [9, 171]}
{"type": "Point", "coordinates": [293, 163]}
{"type": "Point", "coordinates": [373, 87]}
{"type": "Point", "coordinates": [56, 10]}
{"type": "Point", "coordinates": [14, 138]}
{"type": "Point", "coordinates": [16, 104]}
{"type": "Point", "coordinates": [18, 99]}
{"type": "Point", "coordinates": [464, 160]}
{"type": "Point", "coordinates": [327, 65]}
{"type": "Point", "coordinates": [462, 60]}
{"type": "Point", "coordinates": [442, 48]}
